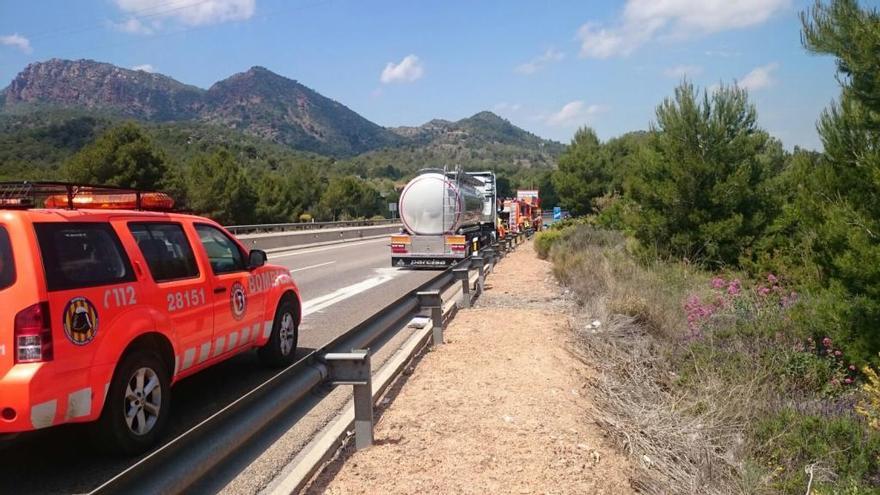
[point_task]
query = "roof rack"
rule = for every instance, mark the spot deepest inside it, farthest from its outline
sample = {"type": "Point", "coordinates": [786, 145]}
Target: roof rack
{"type": "Point", "coordinates": [72, 196]}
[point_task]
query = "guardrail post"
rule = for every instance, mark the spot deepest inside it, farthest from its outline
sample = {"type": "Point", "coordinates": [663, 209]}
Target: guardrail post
{"type": "Point", "coordinates": [479, 262]}
{"type": "Point", "coordinates": [353, 368]}
{"type": "Point", "coordinates": [463, 274]}
{"type": "Point", "coordinates": [430, 299]}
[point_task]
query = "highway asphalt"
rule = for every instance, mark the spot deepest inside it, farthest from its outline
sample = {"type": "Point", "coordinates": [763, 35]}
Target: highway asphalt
{"type": "Point", "coordinates": [340, 285]}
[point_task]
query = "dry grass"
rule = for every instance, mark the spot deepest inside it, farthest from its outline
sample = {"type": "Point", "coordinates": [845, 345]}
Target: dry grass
{"type": "Point", "coordinates": [684, 441]}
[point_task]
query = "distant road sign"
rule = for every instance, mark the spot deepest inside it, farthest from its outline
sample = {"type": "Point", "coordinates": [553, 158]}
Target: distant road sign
{"type": "Point", "coordinates": [557, 213]}
{"type": "Point", "coordinates": [392, 206]}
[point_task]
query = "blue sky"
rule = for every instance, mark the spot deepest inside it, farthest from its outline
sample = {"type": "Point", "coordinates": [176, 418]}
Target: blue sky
{"type": "Point", "coordinates": [549, 66]}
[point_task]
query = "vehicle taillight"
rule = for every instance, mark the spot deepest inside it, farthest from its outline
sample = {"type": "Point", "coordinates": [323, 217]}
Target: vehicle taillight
{"type": "Point", "coordinates": [398, 248]}
{"type": "Point", "coordinates": [458, 247]}
{"type": "Point", "coordinates": [33, 334]}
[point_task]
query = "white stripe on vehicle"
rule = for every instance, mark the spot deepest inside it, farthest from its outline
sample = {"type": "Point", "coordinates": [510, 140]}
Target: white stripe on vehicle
{"type": "Point", "coordinates": [255, 332]}
{"type": "Point", "coordinates": [188, 358]}
{"type": "Point", "coordinates": [233, 339]}
{"type": "Point", "coordinates": [79, 404]}
{"type": "Point", "coordinates": [245, 335]}
{"type": "Point", "coordinates": [205, 352]}
{"type": "Point", "coordinates": [43, 414]}
{"type": "Point", "coordinates": [218, 346]}
{"type": "Point", "coordinates": [267, 329]}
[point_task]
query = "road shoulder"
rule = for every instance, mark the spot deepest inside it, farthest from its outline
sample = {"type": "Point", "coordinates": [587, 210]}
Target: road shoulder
{"type": "Point", "coordinates": [500, 408]}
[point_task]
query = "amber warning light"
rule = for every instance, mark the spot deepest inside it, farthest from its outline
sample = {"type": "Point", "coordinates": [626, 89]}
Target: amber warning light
{"type": "Point", "coordinates": [124, 201]}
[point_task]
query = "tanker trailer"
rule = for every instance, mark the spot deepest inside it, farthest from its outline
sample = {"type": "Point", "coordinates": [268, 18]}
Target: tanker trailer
{"type": "Point", "coordinates": [446, 217]}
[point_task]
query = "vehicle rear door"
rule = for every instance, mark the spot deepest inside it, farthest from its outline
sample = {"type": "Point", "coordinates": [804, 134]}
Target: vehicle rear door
{"type": "Point", "coordinates": [179, 289]}
{"type": "Point", "coordinates": [238, 315]}
{"type": "Point", "coordinates": [91, 286]}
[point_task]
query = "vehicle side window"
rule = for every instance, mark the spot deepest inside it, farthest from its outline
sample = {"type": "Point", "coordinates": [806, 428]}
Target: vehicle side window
{"type": "Point", "coordinates": [223, 252]}
{"type": "Point", "coordinates": [77, 255]}
{"type": "Point", "coordinates": [7, 263]}
{"type": "Point", "coordinates": [166, 250]}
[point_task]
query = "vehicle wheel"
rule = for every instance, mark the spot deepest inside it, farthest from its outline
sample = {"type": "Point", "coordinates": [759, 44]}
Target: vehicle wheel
{"type": "Point", "coordinates": [280, 350]}
{"type": "Point", "coordinates": [136, 408]}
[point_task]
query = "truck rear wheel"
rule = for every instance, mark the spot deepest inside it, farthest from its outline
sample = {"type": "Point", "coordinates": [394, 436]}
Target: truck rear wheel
{"type": "Point", "coordinates": [137, 404]}
{"type": "Point", "coordinates": [280, 350]}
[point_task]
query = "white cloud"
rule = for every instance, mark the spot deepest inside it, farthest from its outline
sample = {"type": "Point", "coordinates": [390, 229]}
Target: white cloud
{"type": "Point", "coordinates": [573, 113]}
{"type": "Point", "coordinates": [534, 65]}
{"type": "Point", "coordinates": [133, 26]}
{"type": "Point", "coordinates": [17, 41]}
{"type": "Point", "coordinates": [144, 67]}
{"type": "Point", "coordinates": [188, 12]}
{"type": "Point", "coordinates": [645, 20]}
{"type": "Point", "coordinates": [505, 107]}
{"type": "Point", "coordinates": [759, 77]}
{"type": "Point", "coordinates": [680, 71]}
{"type": "Point", "coordinates": [408, 70]}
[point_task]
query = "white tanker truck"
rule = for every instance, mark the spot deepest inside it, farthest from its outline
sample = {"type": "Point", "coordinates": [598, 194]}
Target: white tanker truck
{"type": "Point", "coordinates": [446, 217]}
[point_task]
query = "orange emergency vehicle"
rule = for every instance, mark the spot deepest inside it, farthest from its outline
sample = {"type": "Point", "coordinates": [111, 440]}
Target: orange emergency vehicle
{"type": "Point", "coordinates": [106, 305]}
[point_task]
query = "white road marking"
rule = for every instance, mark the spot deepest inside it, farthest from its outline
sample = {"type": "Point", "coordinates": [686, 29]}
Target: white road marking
{"type": "Point", "coordinates": [327, 300]}
{"type": "Point", "coordinates": [310, 267]}
{"type": "Point", "coordinates": [327, 248]}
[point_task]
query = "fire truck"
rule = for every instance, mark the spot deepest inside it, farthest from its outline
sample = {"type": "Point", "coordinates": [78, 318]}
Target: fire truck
{"type": "Point", "coordinates": [523, 213]}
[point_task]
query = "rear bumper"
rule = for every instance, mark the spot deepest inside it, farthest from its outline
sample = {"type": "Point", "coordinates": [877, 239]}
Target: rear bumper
{"type": "Point", "coordinates": [424, 262]}
{"type": "Point", "coordinates": [40, 397]}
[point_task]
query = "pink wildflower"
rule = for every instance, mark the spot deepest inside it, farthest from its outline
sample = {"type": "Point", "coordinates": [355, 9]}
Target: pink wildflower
{"type": "Point", "coordinates": [734, 288]}
{"type": "Point", "coordinates": [838, 354]}
{"type": "Point", "coordinates": [763, 291]}
{"type": "Point", "coordinates": [718, 283]}
{"type": "Point", "coordinates": [772, 279]}
{"type": "Point", "coordinates": [847, 381]}
{"type": "Point", "coordinates": [826, 342]}
{"type": "Point", "coordinates": [852, 367]}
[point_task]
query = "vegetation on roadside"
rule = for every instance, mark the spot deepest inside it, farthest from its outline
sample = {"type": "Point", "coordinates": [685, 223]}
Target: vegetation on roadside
{"type": "Point", "coordinates": [737, 283]}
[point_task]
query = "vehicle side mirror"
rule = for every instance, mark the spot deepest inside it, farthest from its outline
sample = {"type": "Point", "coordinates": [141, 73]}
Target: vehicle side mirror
{"type": "Point", "coordinates": [256, 259]}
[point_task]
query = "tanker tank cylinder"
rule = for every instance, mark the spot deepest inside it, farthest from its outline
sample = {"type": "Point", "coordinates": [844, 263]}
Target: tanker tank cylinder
{"type": "Point", "coordinates": [433, 204]}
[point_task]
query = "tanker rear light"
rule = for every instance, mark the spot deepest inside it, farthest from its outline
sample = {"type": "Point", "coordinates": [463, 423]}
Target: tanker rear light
{"type": "Point", "coordinates": [456, 242]}
{"type": "Point", "coordinates": [400, 244]}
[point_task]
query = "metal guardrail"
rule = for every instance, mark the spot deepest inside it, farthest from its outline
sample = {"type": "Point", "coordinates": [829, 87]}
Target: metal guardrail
{"type": "Point", "coordinates": [289, 227]}
{"type": "Point", "coordinates": [191, 456]}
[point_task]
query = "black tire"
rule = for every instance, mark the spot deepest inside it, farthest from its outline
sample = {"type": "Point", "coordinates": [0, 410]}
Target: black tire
{"type": "Point", "coordinates": [112, 432]}
{"type": "Point", "coordinates": [280, 350]}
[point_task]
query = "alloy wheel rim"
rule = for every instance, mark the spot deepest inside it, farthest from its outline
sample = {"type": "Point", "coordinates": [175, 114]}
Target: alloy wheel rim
{"type": "Point", "coordinates": [143, 401]}
{"type": "Point", "coordinates": [286, 334]}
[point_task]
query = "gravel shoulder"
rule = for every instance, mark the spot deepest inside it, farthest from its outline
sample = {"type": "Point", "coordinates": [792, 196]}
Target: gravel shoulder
{"type": "Point", "coordinates": [500, 408]}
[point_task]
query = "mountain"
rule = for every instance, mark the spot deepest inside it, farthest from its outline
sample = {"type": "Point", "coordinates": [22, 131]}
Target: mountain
{"type": "Point", "coordinates": [98, 86]}
{"type": "Point", "coordinates": [483, 141]}
{"type": "Point", "coordinates": [280, 109]}
{"type": "Point", "coordinates": [258, 102]}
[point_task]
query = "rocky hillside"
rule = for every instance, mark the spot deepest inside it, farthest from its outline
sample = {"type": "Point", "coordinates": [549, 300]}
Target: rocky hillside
{"type": "Point", "coordinates": [266, 105]}
{"type": "Point", "coordinates": [98, 86]}
{"type": "Point", "coordinates": [258, 102]}
{"type": "Point", "coordinates": [273, 107]}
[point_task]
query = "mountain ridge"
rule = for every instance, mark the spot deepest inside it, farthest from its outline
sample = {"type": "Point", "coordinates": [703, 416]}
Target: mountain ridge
{"type": "Point", "coordinates": [258, 102]}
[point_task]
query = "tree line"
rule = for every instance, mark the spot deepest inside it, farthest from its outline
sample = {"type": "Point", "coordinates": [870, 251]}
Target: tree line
{"type": "Point", "coordinates": [219, 184]}
{"type": "Point", "coordinates": [706, 183]}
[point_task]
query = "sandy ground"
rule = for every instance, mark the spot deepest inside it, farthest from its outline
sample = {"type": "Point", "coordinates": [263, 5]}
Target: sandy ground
{"type": "Point", "coordinates": [500, 408]}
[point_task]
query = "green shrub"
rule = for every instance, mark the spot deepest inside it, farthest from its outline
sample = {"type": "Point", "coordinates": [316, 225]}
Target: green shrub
{"type": "Point", "coordinates": [843, 451]}
{"type": "Point", "coordinates": [544, 240]}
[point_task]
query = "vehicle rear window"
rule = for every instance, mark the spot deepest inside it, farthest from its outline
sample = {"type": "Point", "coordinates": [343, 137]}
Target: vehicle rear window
{"type": "Point", "coordinates": [7, 264]}
{"type": "Point", "coordinates": [223, 252]}
{"type": "Point", "coordinates": [166, 250]}
{"type": "Point", "coordinates": [79, 255]}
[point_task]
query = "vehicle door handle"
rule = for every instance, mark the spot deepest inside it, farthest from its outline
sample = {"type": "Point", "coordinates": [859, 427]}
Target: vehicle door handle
{"type": "Point", "coordinates": [219, 290]}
